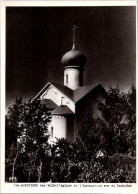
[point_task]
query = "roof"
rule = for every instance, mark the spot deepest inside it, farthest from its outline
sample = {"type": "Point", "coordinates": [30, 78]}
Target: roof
{"type": "Point", "coordinates": [73, 58]}
{"type": "Point", "coordinates": [82, 91]}
{"type": "Point", "coordinates": [62, 110]}
{"type": "Point", "coordinates": [79, 93]}
{"type": "Point", "coordinates": [74, 95]}
{"type": "Point", "coordinates": [65, 90]}
{"type": "Point", "coordinates": [49, 103]}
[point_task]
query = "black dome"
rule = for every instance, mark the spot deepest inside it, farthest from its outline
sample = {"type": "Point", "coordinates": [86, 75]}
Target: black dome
{"type": "Point", "coordinates": [73, 58]}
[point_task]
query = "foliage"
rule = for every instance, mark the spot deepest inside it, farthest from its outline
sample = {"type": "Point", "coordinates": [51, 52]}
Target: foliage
{"type": "Point", "coordinates": [91, 138]}
{"type": "Point", "coordinates": [60, 154]}
{"type": "Point", "coordinates": [110, 169]}
{"type": "Point", "coordinates": [104, 150]}
{"type": "Point", "coordinates": [27, 124]}
{"type": "Point", "coordinates": [119, 121]}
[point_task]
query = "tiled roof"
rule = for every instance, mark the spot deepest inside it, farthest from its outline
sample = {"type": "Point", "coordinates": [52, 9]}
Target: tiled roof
{"type": "Point", "coordinates": [62, 110]}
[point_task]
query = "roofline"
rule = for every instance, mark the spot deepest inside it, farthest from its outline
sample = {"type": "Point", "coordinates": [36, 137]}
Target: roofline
{"type": "Point", "coordinates": [98, 85]}
{"type": "Point", "coordinates": [63, 93]}
{"type": "Point", "coordinates": [48, 83]}
{"type": "Point", "coordinates": [45, 88]}
{"type": "Point", "coordinates": [74, 102]}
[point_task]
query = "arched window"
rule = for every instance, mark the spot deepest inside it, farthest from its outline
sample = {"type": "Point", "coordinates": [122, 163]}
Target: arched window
{"type": "Point", "coordinates": [51, 132]}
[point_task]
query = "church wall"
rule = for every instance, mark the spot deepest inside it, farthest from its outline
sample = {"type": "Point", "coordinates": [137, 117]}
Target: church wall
{"type": "Point", "coordinates": [58, 98]}
{"type": "Point", "coordinates": [72, 78]}
{"type": "Point", "coordinates": [59, 126]}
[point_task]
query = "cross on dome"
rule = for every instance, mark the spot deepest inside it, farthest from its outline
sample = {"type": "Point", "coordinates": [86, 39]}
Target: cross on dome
{"type": "Point", "coordinates": [74, 31]}
{"type": "Point", "coordinates": [74, 58]}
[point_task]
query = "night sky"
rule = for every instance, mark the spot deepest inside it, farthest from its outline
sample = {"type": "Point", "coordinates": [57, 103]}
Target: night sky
{"type": "Point", "coordinates": [37, 38]}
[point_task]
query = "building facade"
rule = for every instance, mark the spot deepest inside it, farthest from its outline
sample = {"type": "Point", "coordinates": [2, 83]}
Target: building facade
{"type": "Point", "coordinates": [68, 102]}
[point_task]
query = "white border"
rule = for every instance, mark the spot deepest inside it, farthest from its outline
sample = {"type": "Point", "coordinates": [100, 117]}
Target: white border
{"type": "Point", "coordinates": [10, 187]}
{"type": "Point", "coordinates": [69, 3]}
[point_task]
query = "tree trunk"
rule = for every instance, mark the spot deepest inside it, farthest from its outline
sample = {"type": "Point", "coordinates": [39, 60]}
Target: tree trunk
{"type": "Point", "coordinates": [39, 171]}
{"type": "Point", "coordinates": [13, 168]}
{"type": "Point", "coordinates": [29, 177]}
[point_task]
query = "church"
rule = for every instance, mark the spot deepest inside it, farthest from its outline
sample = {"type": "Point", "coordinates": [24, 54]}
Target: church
{"type": "Point", "coordinates": [68, 102]}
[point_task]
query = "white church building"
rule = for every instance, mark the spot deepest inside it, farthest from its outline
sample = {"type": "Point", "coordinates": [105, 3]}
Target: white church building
{"type": "Point", "coordinates": [68, 102]}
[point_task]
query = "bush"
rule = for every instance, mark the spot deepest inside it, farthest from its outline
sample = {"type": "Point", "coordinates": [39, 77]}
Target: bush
{"type": "Point", "coordinates": [112, 169]}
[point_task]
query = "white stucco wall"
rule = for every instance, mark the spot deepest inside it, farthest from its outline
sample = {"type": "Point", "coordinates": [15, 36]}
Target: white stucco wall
{"type": "Point", "coordinates": [57, 97]}
{"type": "Point", "coordinates": [73, 78]}
{"type": "Point", "coordinates": [59, 125]}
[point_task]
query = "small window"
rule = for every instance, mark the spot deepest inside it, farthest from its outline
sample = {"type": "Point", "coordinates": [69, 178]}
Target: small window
{"type": "Point", "coordinates": [63, 101]}
{"type": "Point", "coordinates": [67, 78]}
{"type": "Point", "coordinates": [51, 133]}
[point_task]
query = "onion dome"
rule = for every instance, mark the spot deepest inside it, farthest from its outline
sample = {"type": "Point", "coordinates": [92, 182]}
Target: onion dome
{"type": "Point", "coordinates": [73, 58]}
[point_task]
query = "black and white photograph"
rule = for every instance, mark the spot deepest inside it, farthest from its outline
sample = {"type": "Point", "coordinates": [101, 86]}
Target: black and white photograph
{"type": "Point", "coordinates": [70, 94]}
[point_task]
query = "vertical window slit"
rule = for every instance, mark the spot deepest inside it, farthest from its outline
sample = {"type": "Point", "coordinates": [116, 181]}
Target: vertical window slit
{"type": "Point", "coordinates": [67, 78]}
{"type": "Point", "coordinates": [51, 133]}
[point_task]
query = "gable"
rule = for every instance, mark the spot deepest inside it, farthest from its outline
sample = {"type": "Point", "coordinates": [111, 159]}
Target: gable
{"type": "Point", "coordinates": [62, 95]}
{"type": "Point", "coordinates": [51, 93]}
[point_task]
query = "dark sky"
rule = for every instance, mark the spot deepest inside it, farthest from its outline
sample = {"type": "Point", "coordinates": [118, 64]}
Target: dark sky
{"type": "Point", "coordinates": [37, 38]}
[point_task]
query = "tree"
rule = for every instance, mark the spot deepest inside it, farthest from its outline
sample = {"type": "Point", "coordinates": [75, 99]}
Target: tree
{"type": "Point", "coordinates": [60, 154]}
{"type": "Point", "coordinates": [28, 123]}
{"type": "Point", "coordinates": [119, 118]}
{"type": "Point", "coordinates": [131, 120]}
{"type": "Point", "coordinates": [90, 139]}
{"type": "Point", "coordinates": [64, 166]}
{"type": "Point", "coordinates": [104, 150]}
{"type": "Point", "coordinates": [114, 134]}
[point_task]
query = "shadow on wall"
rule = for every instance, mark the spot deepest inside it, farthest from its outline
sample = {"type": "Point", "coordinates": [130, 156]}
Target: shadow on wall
{"type": "Point", "coordinates": [70, 127]}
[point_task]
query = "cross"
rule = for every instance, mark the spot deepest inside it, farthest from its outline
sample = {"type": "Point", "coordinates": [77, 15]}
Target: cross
{"type": "Point", "coordinates": [74, 29]}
